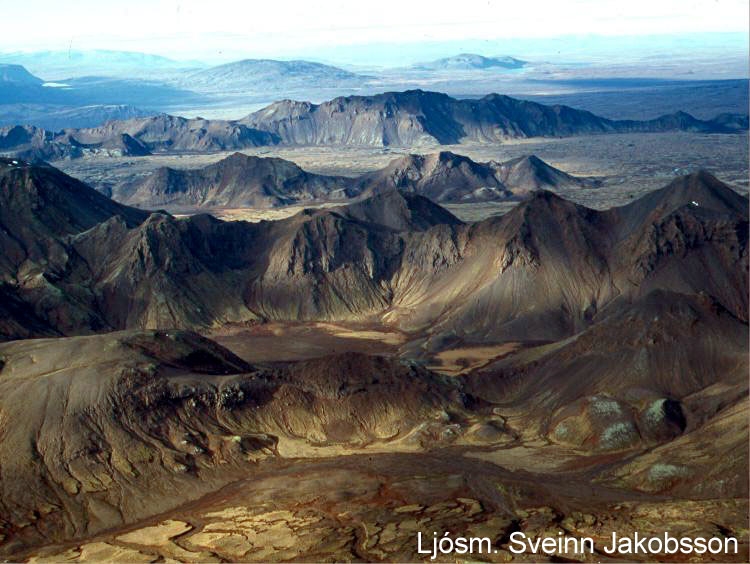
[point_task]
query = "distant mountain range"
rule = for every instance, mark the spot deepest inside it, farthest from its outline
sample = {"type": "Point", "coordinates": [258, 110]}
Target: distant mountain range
{"type": "Point", "coordinates": [470, 61]}
{"type": "Point", "coordinates": [156, 84]}
{"type": "Point", "coordinates": [274, 76]}
{"type": "Point", "coordinates": [56, 65]}
{"type": "Point", "coordinates": [410, 118]}
{"type": "Point", "coordinates": [134, 137]}
{"type": "Point", "coordinates": [19, 87]}
{"type": "Point", "coordinates": [416, 117]}
{"type": "Point", "coordinates": [56, 117]}
{"type": "Point", "coordinates": [259, 182]}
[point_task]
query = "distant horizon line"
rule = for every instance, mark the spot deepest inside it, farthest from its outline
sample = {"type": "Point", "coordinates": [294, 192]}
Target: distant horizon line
{"type": "Point", "coordinates": [433, 49]}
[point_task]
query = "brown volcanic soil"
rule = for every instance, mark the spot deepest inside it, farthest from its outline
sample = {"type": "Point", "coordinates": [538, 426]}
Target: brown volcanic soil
{"type": "Point", "coordinates": [623, 407]}
{"type": "Point", "coordinates": [101, 431]}
{"type": "Point", "coordinates": [144, 415]}
{"type": "Point", "coordinates": [299, 341]}
{"type": "Point", "coordinates": [370, 508]}
{"type": "Point", "coordinates": [541, 272]}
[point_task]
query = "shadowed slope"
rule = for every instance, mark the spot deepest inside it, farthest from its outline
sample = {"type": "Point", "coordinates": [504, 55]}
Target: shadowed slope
{"type": "Point", "coordinates": [530, 173]}
{"type": "Point", "coordinates": [442, 177]}
{"type": "Point", "coordinates": [39, 205]}
{"type": "Point", "coordinates": [542, 271]}
{"type": "Point", "coordinates": [644, 372]}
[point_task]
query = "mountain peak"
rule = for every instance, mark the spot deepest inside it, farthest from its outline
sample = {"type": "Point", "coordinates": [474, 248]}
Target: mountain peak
{"type": "Point", "coordinates": [543, 208]}
{"type": "Point", "coordinates": [401, 211]}
{"type": "Point", "coordinates": [700, 190]}
{"type": "Point", "coordinates": [38, 189]}
{"type": "Point", "coordinates": [442, 177]}
{"type": "Point", "coordinates": [448, 156]}
{"type": "Point", "coordinates": [547, 198]}
{"type": "Point", "coordinates": [39, 204]}
{"type": "Point", "coordinates": [705, 189]}
{"type": "Point", "coordinates": [529, 173]}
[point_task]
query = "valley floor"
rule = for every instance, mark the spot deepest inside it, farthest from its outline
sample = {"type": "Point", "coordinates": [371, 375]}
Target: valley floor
{"type": "Point", "coordinates": [371, 506]}
{"type": "Point", "coordinates": [369, 503]}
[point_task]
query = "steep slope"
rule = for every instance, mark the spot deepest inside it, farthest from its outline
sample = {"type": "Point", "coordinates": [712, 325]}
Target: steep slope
{"type": "Point", "coordinates": [400, 211]}
{"type": "Point", "coordinates": [534, 273]}
{"type": "Point", "coordinates": [18, 320]}
{"type": "Point", "coordinates": [324, 265]}
{"type": "Point", "coordinates": [662, 344]}
{"type": "Point", "coordinates": [544, 269]}
{"type": "Point", "coordinates": [447, 177]}
{"type": "Point", "coordinates": [394, 118]}
{"type": "Point", "coordinates": [166, 272]}
{"type": "Point", "coordinates": [690, 236]}
{"type": "Point", "coordinates": [530, 173]}
{"type": "Point", "coordinates": [441, 177]}
{"type": "Point", "coordinates": [18, 75]}
{"type": "Point", "coordinates": [665, 366]}
{"type": "Point", "coordinates": [699, 190]}
{"type": "Point", "coordinates": [237, 181]}
{"type": "Point", "coordinates": [540, 272]}
{"type": "Point", "coordinates": [40, 209]}
{"type": "Point", "coordinates": [18, 85]}
{"type": "Point", "coordinates": [39, 205]}
{"type": "Point", "coordinates": [141, 422]}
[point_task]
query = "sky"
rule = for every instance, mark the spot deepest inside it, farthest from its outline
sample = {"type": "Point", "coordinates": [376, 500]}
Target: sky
{"type": "Point", "coordinates": [222, 30]}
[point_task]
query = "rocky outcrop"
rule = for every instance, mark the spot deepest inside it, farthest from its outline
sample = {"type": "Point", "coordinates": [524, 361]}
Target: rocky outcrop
{"type": "Point", "coordinates": [542, 271]}
{"type": "Point", "coordinates": [106, 429]}
{"type": "Point", "coordinates": [451, 178]}
{"type": "Point", "coordinates": [132, 137]}
{"type": "Point", "coordinates": [406, 119]}
{"type": "Point", "coordinates": [417, 117]}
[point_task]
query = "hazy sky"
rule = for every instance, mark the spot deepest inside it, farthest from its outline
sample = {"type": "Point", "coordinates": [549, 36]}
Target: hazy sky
{"type": "Point", "coordinates": [224, 29]}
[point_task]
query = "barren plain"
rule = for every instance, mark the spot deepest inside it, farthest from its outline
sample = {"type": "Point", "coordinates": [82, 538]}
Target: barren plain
{"type": "Point", "coordinates": [629, 165]}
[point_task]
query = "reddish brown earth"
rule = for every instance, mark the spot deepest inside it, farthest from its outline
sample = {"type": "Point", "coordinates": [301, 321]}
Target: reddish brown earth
{"type": "Point", "coordinates": [608, 388]}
